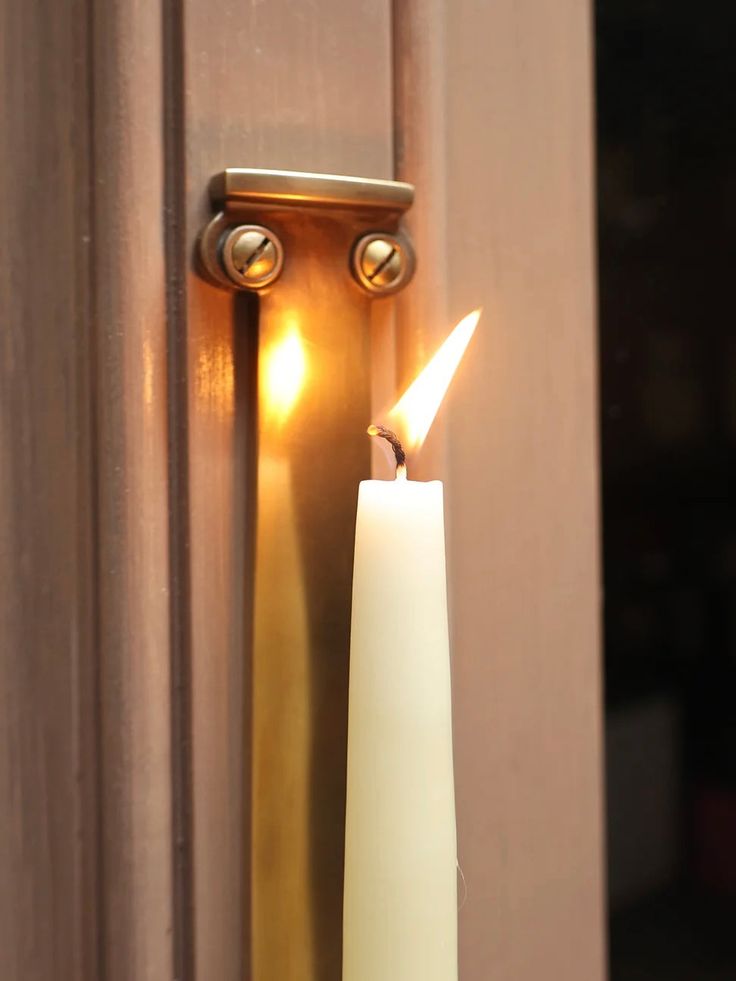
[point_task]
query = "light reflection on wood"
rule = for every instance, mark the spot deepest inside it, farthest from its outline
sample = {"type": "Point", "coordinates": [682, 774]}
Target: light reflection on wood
{"type": "Point", "coordinates": [215, 377]}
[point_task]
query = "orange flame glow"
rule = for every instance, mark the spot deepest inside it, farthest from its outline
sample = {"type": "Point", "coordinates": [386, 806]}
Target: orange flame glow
{"type": "Point", "coordinates": [283, 373]}
{"type": "Point", "coordinates": [414, 413]}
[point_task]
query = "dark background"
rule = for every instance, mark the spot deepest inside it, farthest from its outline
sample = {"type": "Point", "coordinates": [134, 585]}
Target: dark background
{"type": "Point", "coordinates": [666, 109]}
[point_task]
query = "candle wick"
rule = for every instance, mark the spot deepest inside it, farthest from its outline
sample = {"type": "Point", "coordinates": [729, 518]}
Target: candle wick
{"type": "Point", "coordinates": [396, 446]}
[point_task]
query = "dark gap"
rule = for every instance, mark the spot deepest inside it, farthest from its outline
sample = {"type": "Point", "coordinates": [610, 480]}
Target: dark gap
{"type": "Point", "coordinates": [666, 139]}
{"type": "Point", "coordinates": [98, 917]}
{"type": "Point", "coordinates": [177, 266]}
{"type": "Point", "coordinates": [245, 358]}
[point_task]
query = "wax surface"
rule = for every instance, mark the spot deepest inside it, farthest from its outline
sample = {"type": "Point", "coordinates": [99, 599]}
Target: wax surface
{"type": "Point", "coordinates": [400, 906]}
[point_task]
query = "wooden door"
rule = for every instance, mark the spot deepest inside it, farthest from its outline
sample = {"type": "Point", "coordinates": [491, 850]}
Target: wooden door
{"type": "Point", "coordinates": [124, 430]}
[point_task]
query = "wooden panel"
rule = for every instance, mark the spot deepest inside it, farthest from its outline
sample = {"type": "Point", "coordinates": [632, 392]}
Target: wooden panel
{"type": "Point", "coordinates": [47, 777]}
{"type": "Point", "coordinates": [132, 479]}
{"type": "Point", "coordinates": [85, 765]}
{"type": "Point", "coordinates": [272, 85]}
{"type": "Point", "coordinates": [523, 490]}
{"type": "Point", "coordinates": [420, 92]}
{"type": "Point", "coordinates": [493, 125]}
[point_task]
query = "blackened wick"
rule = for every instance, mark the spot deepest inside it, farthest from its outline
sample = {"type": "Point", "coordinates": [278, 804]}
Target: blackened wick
{"type": "Point", "coordinates": [393, 439]}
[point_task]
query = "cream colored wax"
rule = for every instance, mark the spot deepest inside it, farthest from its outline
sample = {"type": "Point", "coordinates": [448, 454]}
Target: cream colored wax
{"type": "Point", "coordinates": [400, 906]}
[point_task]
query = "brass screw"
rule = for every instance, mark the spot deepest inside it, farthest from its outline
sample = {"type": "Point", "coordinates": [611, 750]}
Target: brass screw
{"type": "Point", "coordinates": [382, 263]}
{"type": "Point", "coordinates": [252, 255]}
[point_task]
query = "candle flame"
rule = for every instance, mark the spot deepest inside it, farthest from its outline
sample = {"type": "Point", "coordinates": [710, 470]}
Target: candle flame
{"type": "Point", "coordinates": [415, 411]}
{"type": "Point", "coordinates": [283, 373]}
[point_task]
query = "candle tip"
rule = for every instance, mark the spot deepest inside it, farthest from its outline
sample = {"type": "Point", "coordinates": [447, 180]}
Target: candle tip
{"type": "Point", "coordinates": [396, 446]}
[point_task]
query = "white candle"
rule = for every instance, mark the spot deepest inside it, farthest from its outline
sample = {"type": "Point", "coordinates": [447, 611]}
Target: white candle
{"type": "Point", "coordinates": [400, 906]}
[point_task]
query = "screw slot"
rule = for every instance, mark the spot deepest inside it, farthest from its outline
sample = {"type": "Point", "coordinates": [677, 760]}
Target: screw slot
{"type": "Point", "coordinates": [382, 263]}
{"type": "Point", "coordinates": [252, 256]}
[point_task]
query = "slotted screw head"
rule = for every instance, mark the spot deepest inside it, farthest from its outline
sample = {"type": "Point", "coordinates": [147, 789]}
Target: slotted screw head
{"type": "Point", "coordinates": [382, 263]}
{"type": "Point", "coordinates": [252, 255]}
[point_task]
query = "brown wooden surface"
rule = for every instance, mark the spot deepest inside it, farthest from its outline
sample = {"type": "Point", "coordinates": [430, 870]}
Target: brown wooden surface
{"type": "Point", "coordinates": [523, 491]}
{"type": "Point", "coordinates": [85, 812]}
{"type": "Point", "coordinates": [47, 628]}
{"type": "Point", "coordinates": [131, 422]}
{"type": "Point", "coordinates": [420, 93]}
{"type": "Point", "coordinates": [494, 126]}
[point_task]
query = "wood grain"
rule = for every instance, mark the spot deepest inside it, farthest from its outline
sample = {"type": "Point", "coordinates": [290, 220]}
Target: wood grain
{"type": "Point", "coordinates": [48, 885]}
{"type": "Point", "coordinates": [523, 491]}
{"type": "Point", "coordinates": [131, 421]}
{"type": "Point", "coordinates": [494, 126]}
{"type": "Point", "coordinates": [85, 766]}
{"type": "Point", "coordinates": [420, 126]}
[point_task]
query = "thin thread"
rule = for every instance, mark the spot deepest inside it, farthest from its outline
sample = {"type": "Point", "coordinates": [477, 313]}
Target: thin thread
{"type": "Point", "coordinates": [465, 887]}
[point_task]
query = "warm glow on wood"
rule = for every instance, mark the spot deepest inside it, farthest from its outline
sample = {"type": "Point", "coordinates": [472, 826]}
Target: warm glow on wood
{"type": "Point", "coordinates": [415, 411]}
{"type": "Point", "coordinates": [283, 373]}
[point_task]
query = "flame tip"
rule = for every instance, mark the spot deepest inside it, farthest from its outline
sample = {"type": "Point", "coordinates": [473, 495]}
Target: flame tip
{"type": "Point", "coordinates": [415, 411]}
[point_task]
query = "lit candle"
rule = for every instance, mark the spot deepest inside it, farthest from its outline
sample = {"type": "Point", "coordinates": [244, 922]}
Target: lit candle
{"type": "Point", "coordinates": [400, 905]}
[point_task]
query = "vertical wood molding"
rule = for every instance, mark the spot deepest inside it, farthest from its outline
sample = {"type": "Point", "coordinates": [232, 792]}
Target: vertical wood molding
{"type": "Point", "coordinates": [420, 128]}
{"type": "Point", "coordinates": [132, 485]}
{"type": "Point", "coordinates": [523, 490]}
{"type": "Point", "coordinates": [493, 117]}
{"type": "Point", "coordinates": [85, 764]}
{"type": "Point", "coordinates": [48, 838]}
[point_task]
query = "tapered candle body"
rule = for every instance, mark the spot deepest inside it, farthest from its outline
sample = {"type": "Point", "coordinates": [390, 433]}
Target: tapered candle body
{"type": "Point", "coordinates": [400, 906]}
